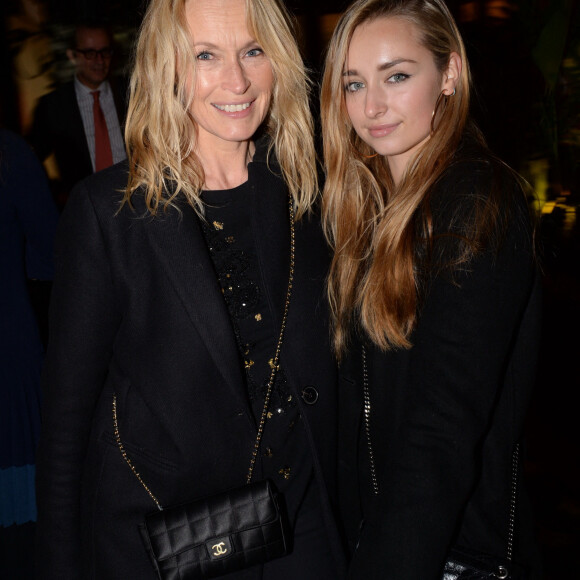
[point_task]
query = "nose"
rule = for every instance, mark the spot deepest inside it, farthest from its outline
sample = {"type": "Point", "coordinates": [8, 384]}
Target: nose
{"type": "Point", "coordinates": [375, 102]}
{"type": "Point", "coordinates": [236, 79]}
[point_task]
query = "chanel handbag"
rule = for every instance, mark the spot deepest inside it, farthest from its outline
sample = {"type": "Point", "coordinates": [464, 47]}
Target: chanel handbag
{"type": "Point", "coordinates": [216, 535]}
{"type": "Point", "coordinates": [462, 563]}
{"type": "Point", "coordinates": [226, 532]}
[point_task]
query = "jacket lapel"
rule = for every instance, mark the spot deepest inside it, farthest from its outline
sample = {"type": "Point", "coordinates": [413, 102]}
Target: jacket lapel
{"type": "Point", "coordinates": [271, 225]}
{"type": "Point", "coordinates": [270, 218]}
{"type": "Point", "coordinates": [180, 248]}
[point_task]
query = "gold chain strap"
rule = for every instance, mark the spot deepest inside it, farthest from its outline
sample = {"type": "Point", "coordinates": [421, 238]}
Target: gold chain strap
{"type": "Point", "coordinates": [126, 457]}
{"type": "Point", "coordinates": [270, 382]}
{"type": "Point", "coordinates": [278, 346]}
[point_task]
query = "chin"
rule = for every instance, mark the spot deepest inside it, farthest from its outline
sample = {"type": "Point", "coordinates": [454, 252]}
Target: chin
{"type": "Point", "coordinates": [378, 150]}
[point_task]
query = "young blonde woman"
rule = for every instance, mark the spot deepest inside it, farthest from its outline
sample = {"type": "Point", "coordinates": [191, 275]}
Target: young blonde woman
{"type": "Point", "coordinates": [171, 292]}
{"type": "Point", "coordinates": [435, 304]}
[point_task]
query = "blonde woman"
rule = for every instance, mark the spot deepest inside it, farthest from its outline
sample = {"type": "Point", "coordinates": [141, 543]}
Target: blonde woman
{"type": "Point", "coordinates": [170, 296]}
{"type": "Point", "coordinates": [435, 304]}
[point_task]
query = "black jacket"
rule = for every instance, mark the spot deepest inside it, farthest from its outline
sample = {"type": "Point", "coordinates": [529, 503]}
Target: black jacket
{"type": "Point", "coordinates": [137, 310]}
{"type": "Point", "coordinates": [446, 413]}
{"type": "Point", "coordinates": [58, 128]}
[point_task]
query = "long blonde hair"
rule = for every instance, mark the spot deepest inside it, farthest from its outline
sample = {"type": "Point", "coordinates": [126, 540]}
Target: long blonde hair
{"type": "Point", "coordinates": [372, 224]}
{"type": "Point", "coordinates": [160, 133]}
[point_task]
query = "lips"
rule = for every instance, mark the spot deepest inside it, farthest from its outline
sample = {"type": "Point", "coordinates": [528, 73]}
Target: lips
{"type": "Point", "coordinates": [233, 108]}
{"type": "Point", "coordinates": [377, 131]}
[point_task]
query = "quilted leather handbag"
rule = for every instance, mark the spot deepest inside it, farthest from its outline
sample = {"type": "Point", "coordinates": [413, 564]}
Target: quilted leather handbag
{"type": "Point", "coordinates": [223, 533]}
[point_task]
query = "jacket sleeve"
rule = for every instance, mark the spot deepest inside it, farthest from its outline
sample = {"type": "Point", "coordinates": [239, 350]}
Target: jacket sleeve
{"type": "Point", "coordinates": [453, 378]}
{"type": "Point", "coordinates": [83, 321]}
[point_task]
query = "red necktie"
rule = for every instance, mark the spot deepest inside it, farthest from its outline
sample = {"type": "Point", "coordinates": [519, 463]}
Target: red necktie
{"type": "Point", "coordinates": [103, 154]}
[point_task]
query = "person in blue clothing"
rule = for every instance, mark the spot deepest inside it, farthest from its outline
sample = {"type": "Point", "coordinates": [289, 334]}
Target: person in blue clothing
{"type": "Point", "coordinates": [28, 220]}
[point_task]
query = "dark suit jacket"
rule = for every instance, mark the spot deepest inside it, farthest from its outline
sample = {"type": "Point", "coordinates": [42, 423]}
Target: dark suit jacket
{"type": "Point", "coordinates": [137, 311]}
{"type": "Point", "coordinates": [446, 413]}
{"type": "Point", "coordinates": [58, 128]}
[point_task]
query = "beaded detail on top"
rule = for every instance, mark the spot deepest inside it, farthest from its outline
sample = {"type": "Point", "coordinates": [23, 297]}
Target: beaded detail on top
{"type": "Point", "coordinates": [238, 274]}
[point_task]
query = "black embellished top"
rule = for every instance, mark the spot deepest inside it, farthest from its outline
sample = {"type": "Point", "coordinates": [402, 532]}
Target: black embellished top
{"type": "Point", "coordinates": [231, 242]}
{"type": "Point", "coordinates": [232, 249]}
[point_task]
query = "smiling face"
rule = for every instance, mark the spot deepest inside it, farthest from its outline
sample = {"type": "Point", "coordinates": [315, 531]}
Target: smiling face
{"type": "Point", "coordinates": [233, 77]}
{"type": "Point", "coordinates": [391, 88]}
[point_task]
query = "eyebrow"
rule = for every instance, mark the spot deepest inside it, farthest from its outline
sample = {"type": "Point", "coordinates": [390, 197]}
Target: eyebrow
{"type": "Point", "coordinates": [211, 45]}
{"type": "Point", "coordinates": [382, 67]}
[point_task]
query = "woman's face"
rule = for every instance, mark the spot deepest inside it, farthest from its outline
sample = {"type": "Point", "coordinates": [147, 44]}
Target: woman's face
{"type": "Point", "coordinates": [233, 77]}
{"type": "Point", "coordinates": [391, 88]}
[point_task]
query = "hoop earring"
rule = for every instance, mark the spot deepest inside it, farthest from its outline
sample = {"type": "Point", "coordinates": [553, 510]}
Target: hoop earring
{"type": "Point", "coordinates": [369, 156]}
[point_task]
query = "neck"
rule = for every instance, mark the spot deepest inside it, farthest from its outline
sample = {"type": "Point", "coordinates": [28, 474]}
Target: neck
{"type": "Point", "coordinates": [397, 171]}
{"type": "Point", "coordinates": [226, 167]}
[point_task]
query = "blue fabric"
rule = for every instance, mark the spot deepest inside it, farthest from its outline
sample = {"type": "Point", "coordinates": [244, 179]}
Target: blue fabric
{"type": "Point", "coordinates": [17, 501]}
{"type": "Point", "coordinates": [28, 220]}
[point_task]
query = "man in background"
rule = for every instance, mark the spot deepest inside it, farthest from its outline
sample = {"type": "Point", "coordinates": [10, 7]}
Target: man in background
{"type": "Point", "coordinates": [81, 121]}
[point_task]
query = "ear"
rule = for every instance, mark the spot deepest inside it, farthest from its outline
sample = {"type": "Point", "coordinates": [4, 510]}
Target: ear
{"type": "Point", "coordinates": [70, 53]}
{"type": "Point", "coordinates": [452, 74]}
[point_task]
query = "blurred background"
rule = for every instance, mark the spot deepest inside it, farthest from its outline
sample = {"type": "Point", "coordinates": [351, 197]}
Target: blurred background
{"type": "Point", "coordinates": [525, 57]}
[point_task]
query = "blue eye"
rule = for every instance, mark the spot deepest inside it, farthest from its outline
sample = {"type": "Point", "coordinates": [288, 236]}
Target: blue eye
{"type": "Point", "coordinates": [398, 78]}
{"type": "Point", "coordinates": [255, 52]}
{"type": "Point", "coordinates": [204, 55]}
{"type": "Point", "coordinates": [354, 87]}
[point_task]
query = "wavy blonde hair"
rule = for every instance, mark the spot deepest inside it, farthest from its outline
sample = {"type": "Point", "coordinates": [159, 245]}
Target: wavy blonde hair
{"type": "Point", "coordinates": [371, 223]}
{"type": "Point", "coordinates": [160, 132]}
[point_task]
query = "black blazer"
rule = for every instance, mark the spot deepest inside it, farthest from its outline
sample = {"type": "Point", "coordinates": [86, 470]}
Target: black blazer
{"type": "Point", "coordinates": [446, 414]}
{"type": "Point", "coordinates": [58, 128]}
{"type": "Point", "coordinates": [137, 310]}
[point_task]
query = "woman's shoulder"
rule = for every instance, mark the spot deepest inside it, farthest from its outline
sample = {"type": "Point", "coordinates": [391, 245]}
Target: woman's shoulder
{"type": "Point", "coordinates": [104, 186]}
{"type": "Point", "coordinates": [19, 166]}
{"type": "Point", "coordinates": [12, 143]}
{"type": "Point", "coordinates": [476, 182]}
{"type": "Point", "coordinates": [479, 204]}
{"type": "Point", "coordinates": [100, 197]}
{"type": "Point", "coordinates": [104, 193]}
{"type": "Point", "coordinates": [474, 172]}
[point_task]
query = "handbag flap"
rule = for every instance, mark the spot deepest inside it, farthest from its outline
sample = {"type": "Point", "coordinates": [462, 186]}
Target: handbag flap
{"type": "Point", "coordinates": [180, 528]}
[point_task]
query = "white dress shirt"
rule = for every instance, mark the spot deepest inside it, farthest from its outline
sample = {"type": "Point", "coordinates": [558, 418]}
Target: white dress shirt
{"type": "Point", "coordinates": [85, 101]}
